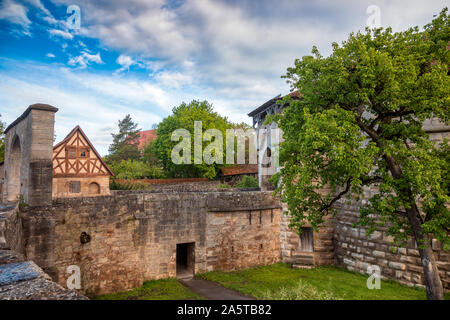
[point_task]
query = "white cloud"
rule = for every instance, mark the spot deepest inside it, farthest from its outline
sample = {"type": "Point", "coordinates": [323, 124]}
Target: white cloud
{"type": "Point", "coordinates": [38, 4]}
{"type": "Point", "coordinates": [83, 60]}
{"type": "Point", "coordinates": [173, 79]}
{"type": "Point", "coordinates": [94, 102]}
{"type": "Point", "coordinates": [125, 62]}
{"type": "Point", "coordinates": [61, 33]}
{"type": "Point", "coordinates": [16, 14]}
{"type": "Point", "coordinates": [231, 53]}
{"type": "Point", "coordinates": [50, 55]}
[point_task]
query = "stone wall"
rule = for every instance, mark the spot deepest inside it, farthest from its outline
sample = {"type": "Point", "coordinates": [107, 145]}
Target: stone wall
{"type": "Point", "coordinates": [133, 236]}
{"type": "Point", "coordinates": [20, 279]}
{"type": "Point", "coordinates": [11, 228]}
{"type": "Point", "coordinates": [242, 239]}
{"type": "Point", "coordinates": [190, 186]}
{"type": "Point", "coordinates": [323, 253]}
{"type": "Point", "coordinates": [355, 251]}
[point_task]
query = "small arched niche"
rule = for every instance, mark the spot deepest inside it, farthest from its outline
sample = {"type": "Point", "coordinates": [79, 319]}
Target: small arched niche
{"type": "Point", "coordinates": [94, 188]}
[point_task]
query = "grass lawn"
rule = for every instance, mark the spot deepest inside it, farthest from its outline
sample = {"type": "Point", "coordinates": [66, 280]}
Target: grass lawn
{"type": "Point", "coordinates": [164, 289]}
{"type": "Point", "coordinates": [336, 281]}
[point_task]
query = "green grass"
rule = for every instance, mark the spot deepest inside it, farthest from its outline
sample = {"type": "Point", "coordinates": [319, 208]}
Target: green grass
{"type": "Point", "coordinates": [164, 289]}
{"type": "Point", "coordinates": [267, 281]}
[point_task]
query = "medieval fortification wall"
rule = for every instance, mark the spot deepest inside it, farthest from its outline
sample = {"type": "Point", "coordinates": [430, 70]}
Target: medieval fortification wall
{"type": "Point", "coordinates": [134, 236]}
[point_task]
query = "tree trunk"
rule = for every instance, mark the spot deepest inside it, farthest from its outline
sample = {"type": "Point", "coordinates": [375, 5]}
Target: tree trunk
{"type": "Point", "coordinates": [433, 282]}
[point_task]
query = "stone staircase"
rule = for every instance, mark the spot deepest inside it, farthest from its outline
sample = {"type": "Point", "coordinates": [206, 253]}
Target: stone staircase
{"type": "Point", "coordinates": [303, 261]}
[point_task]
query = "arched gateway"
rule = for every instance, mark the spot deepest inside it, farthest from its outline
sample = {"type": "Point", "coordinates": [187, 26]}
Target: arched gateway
{"type": "Point", "coordinates": [27, 169]}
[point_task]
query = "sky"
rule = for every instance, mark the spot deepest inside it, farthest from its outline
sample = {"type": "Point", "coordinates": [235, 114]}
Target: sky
{"type": "Point", "coordinates": [102, 59]}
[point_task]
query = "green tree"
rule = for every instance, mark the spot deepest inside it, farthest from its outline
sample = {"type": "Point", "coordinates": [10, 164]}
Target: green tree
{"type": "Point", "coordinates": [359, 124]}
{"type": "Point", "coordinates": [125, 142]}
{"type": "Point", "coordinates": [149, 155]}
{"type": "Point", "coordinates": [183, 117]}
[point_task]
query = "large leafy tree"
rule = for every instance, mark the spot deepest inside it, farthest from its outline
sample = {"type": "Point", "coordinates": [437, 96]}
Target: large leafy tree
{"type": "Point", "coordinates": [183, 117]}
{"type": "Point", "coordinates": [359, 125]}
{"type": "Point", "coordinates": [125, 142]}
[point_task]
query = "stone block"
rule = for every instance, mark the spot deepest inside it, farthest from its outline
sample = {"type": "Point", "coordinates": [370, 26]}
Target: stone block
{"type": "Point", "coordinates": [378, 254]}
{"type": "Point", "coordinates": [397, 265]}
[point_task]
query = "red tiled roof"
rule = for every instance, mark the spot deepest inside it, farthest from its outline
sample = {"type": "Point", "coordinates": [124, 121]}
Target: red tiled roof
{"type": "Point", "coordinates": [145, 137]}
{"type": "Point", "coordinates": [240, 169]}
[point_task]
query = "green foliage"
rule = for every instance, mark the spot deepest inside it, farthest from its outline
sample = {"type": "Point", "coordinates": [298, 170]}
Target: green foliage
{"type": "Point", "coordinates": [22, 202]}
{"type": "Point", "coordinates": [149, 155]}
{"type": "Point", "coordinates": [133, 169]}
{"type": "Point", "coordinates": [118, 185]}
{"type": "Point", "coordinates": [359, 123]}
{"type": "Point", "coordinates": [183, 117]}
{"type": "Point", "coordinates": [164, 289]}
{"type": "Point", "coordinates": [247, 182]}
{"type": "Point", "coordinates": [224, 186]}
{"type": "Point", "coordinates": [301, 291]}
{"type": "Point", "coordinates": [337, 281]}
{"type": "Point", "coordinates": [125, 142]}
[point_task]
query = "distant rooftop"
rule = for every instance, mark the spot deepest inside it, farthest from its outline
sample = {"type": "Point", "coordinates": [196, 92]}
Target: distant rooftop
{"type": "Point", "coordinates": [239, 169]}
{"type": "Point", "coordinates": [145, 137]}
{"type": "Point", "coordinates": [265, 105]}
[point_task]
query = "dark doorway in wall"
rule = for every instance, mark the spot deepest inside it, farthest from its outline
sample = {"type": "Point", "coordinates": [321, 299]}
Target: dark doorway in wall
{"type": "Point", "coordinates": [307, 240]}
{"type": "Point", "coordinates": [185, 260]}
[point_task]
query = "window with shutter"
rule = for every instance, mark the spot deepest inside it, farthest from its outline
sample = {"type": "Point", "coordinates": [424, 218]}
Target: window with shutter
{"type": "Point", "coordinates": [74, 187]}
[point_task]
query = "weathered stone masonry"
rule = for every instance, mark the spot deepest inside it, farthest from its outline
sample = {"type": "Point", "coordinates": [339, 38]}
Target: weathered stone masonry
{"type": "Point", "coordinates": [20, 279]}
{"type": "Point", "coordinates": [133, 236]}
{"type": "Point", "coordinates": [355, 251]}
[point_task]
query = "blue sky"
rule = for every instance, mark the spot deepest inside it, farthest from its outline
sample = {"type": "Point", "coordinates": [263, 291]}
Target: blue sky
{"type": "Point", "coordinates": [144, 57]}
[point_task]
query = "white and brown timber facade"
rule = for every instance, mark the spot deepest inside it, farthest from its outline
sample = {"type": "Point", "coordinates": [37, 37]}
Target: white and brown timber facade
{"type": "Point", "coordinates": [78, 169]}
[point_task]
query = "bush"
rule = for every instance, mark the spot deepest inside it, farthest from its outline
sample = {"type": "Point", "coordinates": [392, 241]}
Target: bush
{"type": "Point", "coordinates": [224, 186]}
{"type": "Point", "coordinates": [302, 291]}
{"type": "Point", "coordinates": [116, 185]}
{"type": "Point", "coordinates": [133, 169]}
{"type": "Point", "coordinates": [247, 182]}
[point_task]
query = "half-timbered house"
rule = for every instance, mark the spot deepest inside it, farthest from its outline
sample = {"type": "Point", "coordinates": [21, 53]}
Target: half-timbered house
{"type": "Point", "coordinates": [78, 169]}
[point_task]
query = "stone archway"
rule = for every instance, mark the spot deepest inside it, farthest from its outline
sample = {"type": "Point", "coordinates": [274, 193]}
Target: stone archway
{"type": "Point", "coordinates": [13, 176]}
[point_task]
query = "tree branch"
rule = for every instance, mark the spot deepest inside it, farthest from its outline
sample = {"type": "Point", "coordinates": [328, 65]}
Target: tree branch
{"type": "Point", "coordinates": [392, 114]}
{"type": "Point", "coordinates": [340, 194]}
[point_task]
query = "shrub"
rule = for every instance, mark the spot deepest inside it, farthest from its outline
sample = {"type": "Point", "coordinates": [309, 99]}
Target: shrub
{"type": "Point", "coordinates": [301, 291]}
{"type": "Point", "coordinates": [116, 185]}
{"type": "Point", "coordinates": [247, 182]}
{"type": "Point", "coordinates": [224, 186]}
{"type": "Point", "coordinates": [133, 169]}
